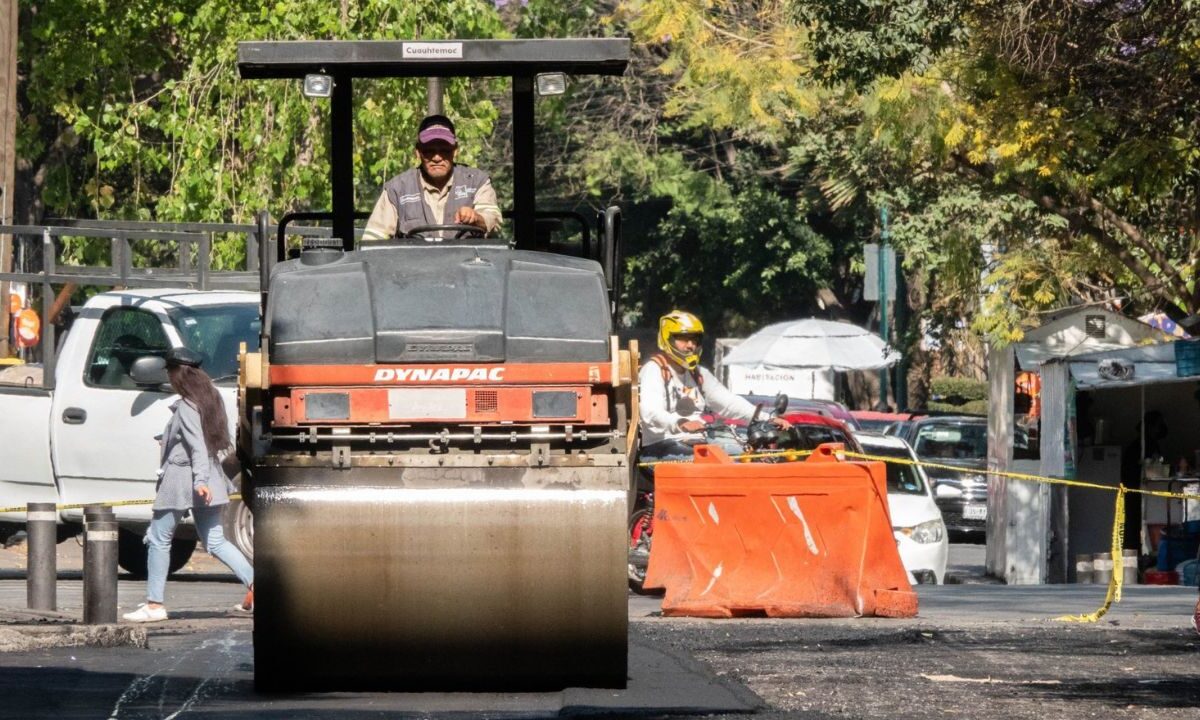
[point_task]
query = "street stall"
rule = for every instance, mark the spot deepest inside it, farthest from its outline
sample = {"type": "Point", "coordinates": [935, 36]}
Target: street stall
{"type": "Point", "coordinates": [1026, 534]}
{"type": "Point", "coordinates": [1138, 419]}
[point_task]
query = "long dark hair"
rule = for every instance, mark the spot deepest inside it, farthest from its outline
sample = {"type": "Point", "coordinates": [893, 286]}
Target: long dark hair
{"type": "Point", "coordinates": [195, 386]}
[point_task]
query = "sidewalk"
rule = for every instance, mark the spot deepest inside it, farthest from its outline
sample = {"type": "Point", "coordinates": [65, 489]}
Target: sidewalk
{"type": "Point", "coordinates": [201, 596]}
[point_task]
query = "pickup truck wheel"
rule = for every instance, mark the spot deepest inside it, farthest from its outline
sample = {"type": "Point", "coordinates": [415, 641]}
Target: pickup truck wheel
{"type": "Point", "coordinates": [66, 531]}
{"type": "Point", "coordinates": [238, 523]}
{"type": "Point", "coordinates": [131, 553]}
{"type": "Point", "coordinates": [8, 530]}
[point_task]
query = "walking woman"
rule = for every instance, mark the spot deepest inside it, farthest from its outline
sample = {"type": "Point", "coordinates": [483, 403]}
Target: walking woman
{"type": "Point", "coordinates": [190, 479]}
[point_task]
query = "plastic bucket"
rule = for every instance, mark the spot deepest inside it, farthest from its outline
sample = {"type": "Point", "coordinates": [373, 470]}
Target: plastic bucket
{"type": "Point", "coordinates": [1160, 577]}
{"type": "Point", "coordinates": [1102, 567]}
{"type": "Point", "coordinates": [1083, 569]}
{"type": "Point", "coordinates": [1129, 565]}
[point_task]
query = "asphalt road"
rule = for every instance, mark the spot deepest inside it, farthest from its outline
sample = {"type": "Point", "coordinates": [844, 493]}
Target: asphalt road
{"type": "Point", "coordinates": [978, 651]}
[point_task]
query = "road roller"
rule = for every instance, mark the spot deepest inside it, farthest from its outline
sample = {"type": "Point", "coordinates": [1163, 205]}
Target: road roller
{"type": "Point", "coordinates": [436, 432]}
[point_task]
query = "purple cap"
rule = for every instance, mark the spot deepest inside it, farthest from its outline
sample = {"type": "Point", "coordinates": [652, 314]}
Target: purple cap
{"type": "Point", "coordinates": [436, 132]}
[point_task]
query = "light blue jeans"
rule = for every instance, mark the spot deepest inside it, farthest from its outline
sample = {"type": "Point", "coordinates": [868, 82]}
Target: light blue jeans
{"type": "Point", "coordinates": [208, 526]}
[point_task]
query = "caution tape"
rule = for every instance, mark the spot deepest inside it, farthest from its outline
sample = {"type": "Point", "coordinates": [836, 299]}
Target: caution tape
{"type": "Point", "coordinates": [1118, 535]}
{"type": "Point", "coordinates": [790, 455]}
{"type": "Point", "coordinates": [109, 503]}
{"type": "Point", "coordinates": [1115, 583]}
{"type": "Point", "coordinates": [1118, 560]}
{"type": "Point", "coordinates": [1022, 476]}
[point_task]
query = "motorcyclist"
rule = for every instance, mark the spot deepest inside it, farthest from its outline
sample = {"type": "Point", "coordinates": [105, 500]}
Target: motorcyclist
{"type": "Point", "coordinates": [674, 392]}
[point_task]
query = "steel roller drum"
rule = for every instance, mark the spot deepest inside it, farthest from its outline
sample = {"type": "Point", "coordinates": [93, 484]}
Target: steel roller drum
{"type": "Point", "coordinates": [440, 579]}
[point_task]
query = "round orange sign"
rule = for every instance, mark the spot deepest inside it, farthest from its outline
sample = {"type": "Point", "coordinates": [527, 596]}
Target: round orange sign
{"type": "Point", "coordinates": [29, 328]}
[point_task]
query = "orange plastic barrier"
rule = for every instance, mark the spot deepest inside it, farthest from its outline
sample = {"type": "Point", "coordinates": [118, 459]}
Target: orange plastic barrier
{"type": "Point", "coordinates": [797, 539]}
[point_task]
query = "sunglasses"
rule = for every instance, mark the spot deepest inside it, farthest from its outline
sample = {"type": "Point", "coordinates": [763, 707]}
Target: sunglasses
{"type": "Point", "coordinates": [442, 149]}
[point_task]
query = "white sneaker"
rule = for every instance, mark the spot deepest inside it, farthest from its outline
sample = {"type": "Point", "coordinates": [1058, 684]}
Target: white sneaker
{"type": "Point", "coordinates": [146, 614]}
{"type": "Point", "coordinates": [247, 603]}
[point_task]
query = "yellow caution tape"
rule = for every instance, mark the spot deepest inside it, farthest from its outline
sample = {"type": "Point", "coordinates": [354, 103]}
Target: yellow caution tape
{"type": "Point", "coordinates": [797, 454]}
{"type": "Point", "coordinates": [110, 503]}
{"type": "Point", "coordinates": [1115, 583]}
{"type": "Point", "coordinates": [790, 455]}
{"type": "Point", "coordinates": [1118, 534]}
{"type": "Point", "coordinates": [1118, 569]}
{"type": "Point", "coordinates": [1022, 476]}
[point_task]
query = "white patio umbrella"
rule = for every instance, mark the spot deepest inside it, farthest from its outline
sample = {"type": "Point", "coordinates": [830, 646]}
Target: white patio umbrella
{"type": "Point", "coordinates": [813, 343]}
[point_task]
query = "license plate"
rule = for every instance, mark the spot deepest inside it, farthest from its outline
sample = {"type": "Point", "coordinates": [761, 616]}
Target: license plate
{"type": "Point", "coordinates": [975, 512]}
{"type": "Point", "coordinates": [427, 404]}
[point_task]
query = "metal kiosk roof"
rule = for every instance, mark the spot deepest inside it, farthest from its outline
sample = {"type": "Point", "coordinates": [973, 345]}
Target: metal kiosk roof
{"type": "Point", "coordinates": [345, 60]}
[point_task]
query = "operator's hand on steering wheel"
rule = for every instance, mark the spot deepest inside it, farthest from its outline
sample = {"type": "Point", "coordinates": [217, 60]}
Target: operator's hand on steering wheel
{"type": "Point", "coordinates": [691, 426]}
{"type": "Point", "coordinates": [468, 216]}
{"type": "Point", "coordinates": [781, 423]}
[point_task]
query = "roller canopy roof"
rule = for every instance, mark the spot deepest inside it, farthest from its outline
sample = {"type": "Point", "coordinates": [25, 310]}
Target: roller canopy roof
{"type": "Point", "coordinates": [432, 58]}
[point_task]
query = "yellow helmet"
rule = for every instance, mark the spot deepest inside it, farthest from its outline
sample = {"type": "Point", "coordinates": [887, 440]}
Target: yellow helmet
{"type": "Point", "coordinates": [678, 322]}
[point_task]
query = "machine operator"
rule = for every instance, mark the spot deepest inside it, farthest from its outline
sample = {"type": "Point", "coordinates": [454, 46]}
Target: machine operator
{"type": "Point", "coordinates": [437, 191]}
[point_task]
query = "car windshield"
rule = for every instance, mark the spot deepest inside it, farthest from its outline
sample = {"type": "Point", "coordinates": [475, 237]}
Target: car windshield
{"type": "Point", "coordinates": [903, 479]}
{"type": "Point", "coordinates": [958, 441]}
{"type": "Point", "coordinates": [217, 332]}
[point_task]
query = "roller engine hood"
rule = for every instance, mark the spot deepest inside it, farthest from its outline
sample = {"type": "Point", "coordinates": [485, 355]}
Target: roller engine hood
{"type": "Point", "coordinates": [438, 304]}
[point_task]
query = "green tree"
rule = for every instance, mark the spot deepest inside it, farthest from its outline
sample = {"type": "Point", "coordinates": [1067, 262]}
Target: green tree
{"type": "Point", "coordinates": [1089, 109]}
{"type": "Point", "coordinates": [1033, 155]}
{"type": "Point", "coordinates": [135, 110]}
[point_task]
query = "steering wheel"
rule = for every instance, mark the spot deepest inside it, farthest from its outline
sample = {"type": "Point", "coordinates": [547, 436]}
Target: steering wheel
{"type": "Point", "coordinates": [461, 230]}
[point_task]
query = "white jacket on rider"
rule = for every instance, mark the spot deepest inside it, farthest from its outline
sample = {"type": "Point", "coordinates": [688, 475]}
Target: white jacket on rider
{"type": "Point", "coordinates": [663, 406]}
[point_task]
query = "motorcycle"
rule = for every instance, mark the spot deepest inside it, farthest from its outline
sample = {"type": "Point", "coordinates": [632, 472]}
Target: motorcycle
{"type": "Point", "coordinates": [760, 435]}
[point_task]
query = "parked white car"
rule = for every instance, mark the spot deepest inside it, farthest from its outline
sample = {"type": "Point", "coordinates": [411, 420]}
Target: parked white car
{"type": "Point", "coordinates": [917, 523]}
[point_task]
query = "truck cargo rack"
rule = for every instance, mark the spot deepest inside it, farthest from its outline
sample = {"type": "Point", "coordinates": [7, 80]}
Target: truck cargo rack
{"type": "Point", "coordinates": [192, 268]}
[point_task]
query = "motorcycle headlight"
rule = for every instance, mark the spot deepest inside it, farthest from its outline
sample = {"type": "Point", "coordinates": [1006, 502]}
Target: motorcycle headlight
{"type": "Point", "coordinates": [927, 532]}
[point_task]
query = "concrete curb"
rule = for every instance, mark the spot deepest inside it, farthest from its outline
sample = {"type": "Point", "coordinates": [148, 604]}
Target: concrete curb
{"type": "Point", "coordinates": [22, 638]}
{"type": "Point", "coordinates": [971, 579]}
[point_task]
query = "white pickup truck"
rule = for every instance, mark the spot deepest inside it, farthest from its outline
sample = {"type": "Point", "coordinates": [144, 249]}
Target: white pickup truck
{"type": "Point", "coordinates": [91, 438]}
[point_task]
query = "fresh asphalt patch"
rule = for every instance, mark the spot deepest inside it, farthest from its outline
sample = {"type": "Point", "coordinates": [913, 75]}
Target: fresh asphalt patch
{"type": "Point", "coordinates": [765, 668]}
{"type": "Point", "coordinates": [210, 675]}
{"type": "Point", "coordinates": [975, 651]}
{"type": "Point", "coordinates": [824, 669]}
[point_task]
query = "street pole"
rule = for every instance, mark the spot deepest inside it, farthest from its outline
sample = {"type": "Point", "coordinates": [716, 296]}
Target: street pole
{"type": "Point", "coordinates": [902, 319]}
{"type": "Point", "coordinates": [435, 96]}
{"type": "Point", "coordinates": [8, 141]}
{"type": "Point", "coordinates": [884, 247]}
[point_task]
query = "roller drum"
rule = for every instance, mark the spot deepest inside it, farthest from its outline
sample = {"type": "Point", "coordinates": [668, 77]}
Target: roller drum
{"type": "Point", "coordinates": [370, 578]}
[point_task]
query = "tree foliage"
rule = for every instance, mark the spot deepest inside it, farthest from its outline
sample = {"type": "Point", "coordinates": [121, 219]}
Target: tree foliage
{"type": "Point", "coordinates": [1088, 108]}
{"type": "Point", "coordinates": [1033, 155]}
{"type": "Point", "coordinates": [135, 109]}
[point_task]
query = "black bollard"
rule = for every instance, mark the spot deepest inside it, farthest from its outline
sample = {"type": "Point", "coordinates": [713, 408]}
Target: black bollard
{"type": "Point", "coordinates": [92, 513]}
{"type": "Point", "coordinates": [41, 585]}
{"type": "Point", "coordinates": [100, 572]}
